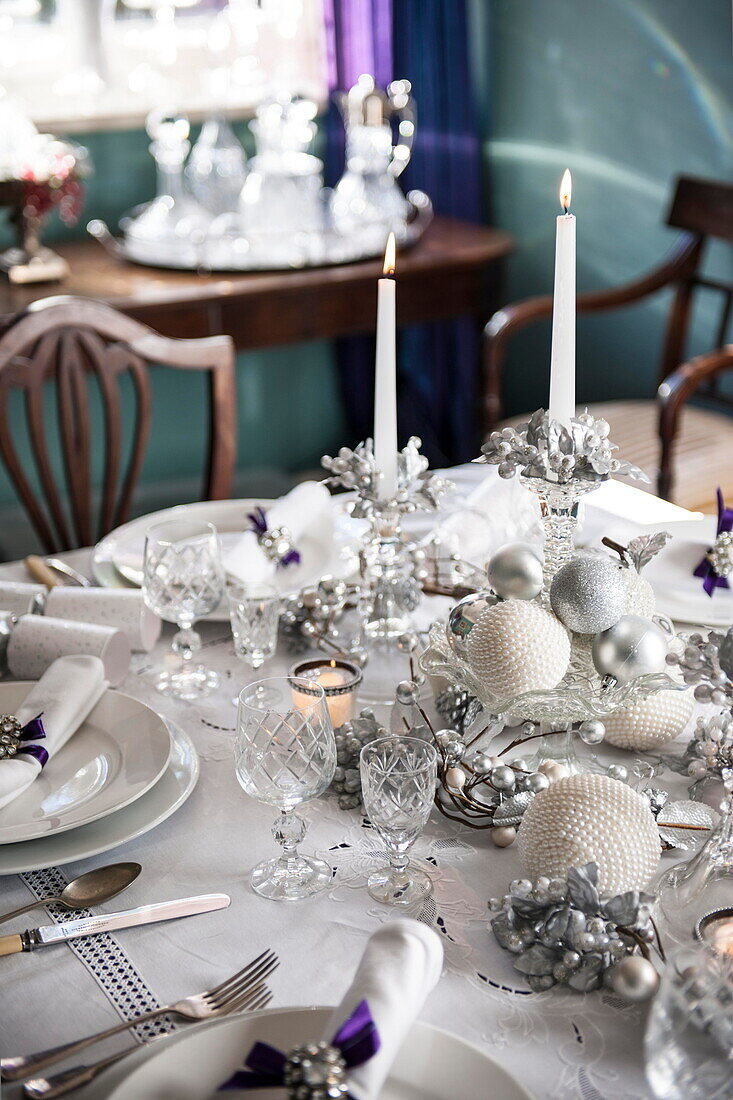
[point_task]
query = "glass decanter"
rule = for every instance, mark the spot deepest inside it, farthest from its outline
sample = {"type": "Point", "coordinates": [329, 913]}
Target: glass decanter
{"type": "Point", "coordinates": [217, 167]}
{"type": "Point", "coordinates": [280, 205]}
{"type": "Point", "coordinates": [367, 200]}
{"type": "Point", "coordinates": [172, 228]}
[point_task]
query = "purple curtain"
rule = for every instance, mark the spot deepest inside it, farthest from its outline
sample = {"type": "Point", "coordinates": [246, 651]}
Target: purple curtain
{"type": "Point", "coordinates": [425, 41]}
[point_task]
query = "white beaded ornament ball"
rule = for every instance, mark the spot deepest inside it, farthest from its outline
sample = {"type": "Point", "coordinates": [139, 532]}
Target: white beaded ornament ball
{"type": "Point", "coordinates": [651, 722]}
{"type": "Point", "coordinates": [517, 646]}
{"type": "Point", "coordinates": [640, 599]}
{"type": "Point", "coordinates": [591, 818]}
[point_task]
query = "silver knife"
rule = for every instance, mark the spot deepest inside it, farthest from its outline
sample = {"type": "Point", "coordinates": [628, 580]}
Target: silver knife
{"type": "Point", "coordinates": [130, 918]}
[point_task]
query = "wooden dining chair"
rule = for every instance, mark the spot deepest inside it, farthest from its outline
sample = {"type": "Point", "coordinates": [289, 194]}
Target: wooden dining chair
{"type": "Point", "coordinates": [59, 349]}
{"type": "Point", "coordinates": [701, 443]}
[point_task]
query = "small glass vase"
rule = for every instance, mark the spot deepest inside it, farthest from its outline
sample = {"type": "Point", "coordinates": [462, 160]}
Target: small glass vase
{"type": "Point", "coordinates": [559, 511]}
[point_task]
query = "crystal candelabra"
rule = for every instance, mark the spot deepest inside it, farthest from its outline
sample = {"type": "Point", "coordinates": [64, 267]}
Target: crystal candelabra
{"type": "Point", "coordinates": [391, 567]}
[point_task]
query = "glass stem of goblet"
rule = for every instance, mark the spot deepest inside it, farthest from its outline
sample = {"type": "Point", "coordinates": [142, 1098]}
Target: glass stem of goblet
{"type": "Point", "coordinates": [289, 830]}
{"type": "Point", "coordinates": [399, 862]}
{"type": "Point", "coordinates": [186, 642]}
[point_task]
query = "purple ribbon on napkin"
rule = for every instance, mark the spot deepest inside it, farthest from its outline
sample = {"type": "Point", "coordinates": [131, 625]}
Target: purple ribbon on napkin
{"type": "Point", "coordinates": [33, 731]}
{"type": "Point", "coordinates": [711, 579]}
{"type": "Point", "coordinates": [357, 1040]}
{"type": "Point", "coordinates": [258, 521]}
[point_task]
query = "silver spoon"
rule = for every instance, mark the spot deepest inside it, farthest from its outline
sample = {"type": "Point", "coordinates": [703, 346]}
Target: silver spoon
{"type": "Point", "coordinates": [87, 890]}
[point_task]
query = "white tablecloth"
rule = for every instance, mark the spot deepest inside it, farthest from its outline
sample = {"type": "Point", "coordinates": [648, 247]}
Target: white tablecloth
{"type": "Point", "coordinates": [560, 1044]}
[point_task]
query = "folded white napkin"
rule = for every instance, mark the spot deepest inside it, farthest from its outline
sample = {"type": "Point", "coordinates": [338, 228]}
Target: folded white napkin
{"type": "Point", "coordinates": [65, 695]}
{"type": "Point", "coordinates": [497, 511]}
{"type": "Point", "coordinates": [400, 966]}
{"type": "Point", "coordinates": [306, 508]}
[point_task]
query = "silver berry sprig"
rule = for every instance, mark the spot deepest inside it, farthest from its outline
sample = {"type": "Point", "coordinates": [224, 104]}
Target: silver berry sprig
{"type": "Point", "coordinates": [356, 470]}
{"type": "Point", "coordinates": [706, 664]}
{"type": "Point", "coordinates": [545, 448]}
{"type": "Point", "coordinates": [562, 931]}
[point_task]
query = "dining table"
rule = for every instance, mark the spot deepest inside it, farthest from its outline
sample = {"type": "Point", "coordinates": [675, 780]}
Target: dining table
{"type": "Point", "coordinates": [560, 1044]}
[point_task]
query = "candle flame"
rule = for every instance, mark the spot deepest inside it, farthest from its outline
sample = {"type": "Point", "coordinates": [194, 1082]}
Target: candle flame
{"type": "Point", "coordinates": [389, 256]}
{"type": "Point", "coordinates": [333, 664]}
{"type": "Point", "coordinates": [566, 190]}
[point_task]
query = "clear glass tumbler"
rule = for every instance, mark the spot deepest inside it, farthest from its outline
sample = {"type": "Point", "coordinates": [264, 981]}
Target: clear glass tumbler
{"type": "Point", "coordinates": [285, 755]}
{"type": "Point", "coordinates": [398, 776]}
{"type": "Point", "coordinates": [254, 610]}
{"type": "Point", "coordinates": [183, 579]}
{"type": "Point", "coordinates": [689, 1036]}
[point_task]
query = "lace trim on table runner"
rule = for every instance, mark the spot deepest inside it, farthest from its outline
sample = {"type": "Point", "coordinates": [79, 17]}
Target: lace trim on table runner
{"type": "Point", "coordinates": [105, 960]}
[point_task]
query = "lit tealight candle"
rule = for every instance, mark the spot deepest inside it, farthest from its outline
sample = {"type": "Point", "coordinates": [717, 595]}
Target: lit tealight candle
{"type": "Point", "coordinates": [340, 681]}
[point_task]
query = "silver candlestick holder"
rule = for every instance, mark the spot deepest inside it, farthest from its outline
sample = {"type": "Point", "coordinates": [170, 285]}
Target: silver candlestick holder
{"type": "Point", "coordinates": [392, 568]}
{"type": "Point", "coordinates": [560, 465]}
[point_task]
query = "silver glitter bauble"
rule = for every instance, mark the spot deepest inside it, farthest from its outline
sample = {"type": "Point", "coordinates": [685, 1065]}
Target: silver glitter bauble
{"type": "Point", "coordinates": [515, 572]}
{"type": "Point", "coordinates": [650, 722]}
{"type": "Point", "coordinates": [463, 617]}
{"type": "Point", "coordinates": [588, 594]}
{"type": "Point", "coordinates": [635, 979]}
{"type": "Point", "coordinates": [590, 818]}
{"type": "Point", "coordinates": [631, 647]}
{"type": "Point", "coordinates": [517, 646]}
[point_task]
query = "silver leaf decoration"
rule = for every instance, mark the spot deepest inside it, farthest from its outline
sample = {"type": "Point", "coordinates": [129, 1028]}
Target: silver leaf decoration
{"type": "Point", "coordinates": [686, 813]}
{"type": "Point", "coordinates": [511, 810]}
{"type": "Point", "coordinates": [644, 548]}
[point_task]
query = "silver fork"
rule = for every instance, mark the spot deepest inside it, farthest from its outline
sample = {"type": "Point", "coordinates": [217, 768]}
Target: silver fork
{"type": "Point", "coordinates": [201, 1006]}
{"type": "Point", "coordinates": [46, 1088]}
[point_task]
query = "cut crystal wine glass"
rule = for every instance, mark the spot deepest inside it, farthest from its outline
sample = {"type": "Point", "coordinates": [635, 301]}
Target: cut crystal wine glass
{"type": "Point", "coordinates": [286, 755]}
{"type": "Point", "coordinates": [254, 610]}
{"type": "Point", "coordinates": [183, 579]}
{"type": "Point", "coordinates": [398, 776]}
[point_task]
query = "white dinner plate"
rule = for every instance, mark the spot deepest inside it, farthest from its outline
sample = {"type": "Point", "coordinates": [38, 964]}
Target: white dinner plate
{"type": "Point", "coordinates": [169, 793]}
{"type": "Point", "coordinates": [115, 756]}
{"type": "Point", "coordinates": [431, 1065]}
{"type": "Point", "coordinates": [678, 592]}
{"type": "Point", "coordinates": [117, 561]}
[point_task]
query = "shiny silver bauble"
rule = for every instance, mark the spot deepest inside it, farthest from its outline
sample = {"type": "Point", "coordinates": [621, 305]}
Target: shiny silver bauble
{"type": "Point", "coordinates": [631, 647]}
{"type": "Point", "coordinates": [588, 594]}
{"type": "Point", "coordinates": [462, 618]}
{"type": "Point", "coordinates": [515, 572]}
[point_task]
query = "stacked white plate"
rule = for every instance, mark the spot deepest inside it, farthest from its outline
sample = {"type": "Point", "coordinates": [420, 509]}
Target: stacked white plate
{"type": "Point", "coordinates": [117, 561]}
{"type": "Point", "coordinates": [122, 773]}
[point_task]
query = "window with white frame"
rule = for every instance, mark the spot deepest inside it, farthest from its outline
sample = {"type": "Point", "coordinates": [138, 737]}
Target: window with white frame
{"type": "Point", "coordinates": [89, 64]}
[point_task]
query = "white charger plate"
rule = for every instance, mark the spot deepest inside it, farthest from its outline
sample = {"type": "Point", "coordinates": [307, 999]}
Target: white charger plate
{"type": "Point", "coordinates": [117, 561]}
{"type": "Point", "coordinates": [118, 753]}
{"type": "Point", "coordinates": [163, 799]}
{"type": "Point", "coordinates": [678, 592]}
{"type": "Point", "coordinates": [432, 1064]}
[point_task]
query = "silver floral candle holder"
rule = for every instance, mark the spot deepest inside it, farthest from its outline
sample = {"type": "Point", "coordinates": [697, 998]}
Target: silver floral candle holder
{"type": "Point", "coordinates": [559, 465]}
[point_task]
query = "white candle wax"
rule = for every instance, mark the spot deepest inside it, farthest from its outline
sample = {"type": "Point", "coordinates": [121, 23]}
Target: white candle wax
{"type": "Point", "coordinates": [562, 360]}
{"type": "Point", "coordinates": [385, 384]}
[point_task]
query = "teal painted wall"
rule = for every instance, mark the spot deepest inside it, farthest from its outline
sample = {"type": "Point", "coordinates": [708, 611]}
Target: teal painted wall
{"type": "Point", "coordinates": [627, 94]}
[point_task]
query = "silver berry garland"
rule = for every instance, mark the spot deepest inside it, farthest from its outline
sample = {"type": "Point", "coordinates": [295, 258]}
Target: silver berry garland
{"type": "Point", "coordinates": [562, 931]}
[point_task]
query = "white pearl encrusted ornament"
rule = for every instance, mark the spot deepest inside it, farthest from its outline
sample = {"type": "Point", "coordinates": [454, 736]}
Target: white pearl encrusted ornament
{"type": "Point", "coordinates": [591, 819]}
{"type": "Point", "coordinates": [517, 646]}
{"type": "Point", "coordinates": [650, 722]}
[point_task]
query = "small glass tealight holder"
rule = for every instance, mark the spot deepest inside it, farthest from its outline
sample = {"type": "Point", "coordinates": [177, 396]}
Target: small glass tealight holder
{"type": "Point", "coordinates": [339, 679]}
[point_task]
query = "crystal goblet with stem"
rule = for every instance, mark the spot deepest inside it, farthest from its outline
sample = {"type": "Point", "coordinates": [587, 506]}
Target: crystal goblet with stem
{"type": "Point", "coordinates": [398, 776]}
{"type": "Point", "coordinates": [286, 755]}
{"type": "Point", "coordinates": [183, 579]}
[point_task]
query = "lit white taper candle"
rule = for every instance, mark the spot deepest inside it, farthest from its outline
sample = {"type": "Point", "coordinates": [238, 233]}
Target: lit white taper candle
{"type": "Point", "coordinates": [562, 360]}
{"type": "Point", "coordinates": [385, 387]}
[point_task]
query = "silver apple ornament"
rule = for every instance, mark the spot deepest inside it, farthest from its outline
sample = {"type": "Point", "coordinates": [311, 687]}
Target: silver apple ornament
{"type": "Point", "coordinates": [630, 648]}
